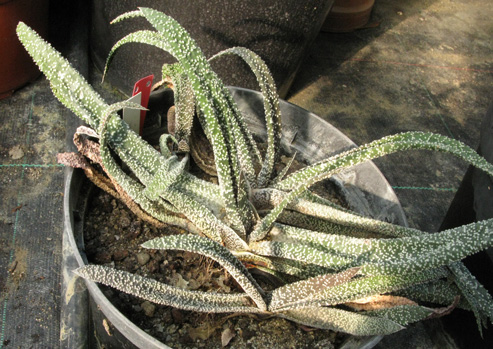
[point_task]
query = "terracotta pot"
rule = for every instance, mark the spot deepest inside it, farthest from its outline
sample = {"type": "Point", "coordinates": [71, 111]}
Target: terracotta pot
{"type": "Point", "coordinates": [16, 67]}
{"type": "Point", "coordinates": [348, 15]}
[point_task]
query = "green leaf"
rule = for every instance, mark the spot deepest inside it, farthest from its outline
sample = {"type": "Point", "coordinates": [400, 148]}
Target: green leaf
{"type": "Point", "coordinates": [301, 252]}
{"type": "Point", "coordinates": [220, 254]}
{"type": "Point", "coordinates": [301, 180]}
{"type": "Point", "coordinates": [341, 217]}
{"type": "Point", "coordinates": [165, 177]}
{"type": "Point", "coordinates": [205, 220]}
{"type": "Point", "coordinates": [438, 292]}
{"type": "Point", "coordinates": [397, 255]}
{"type": "Point", "coordinates": [342, 321]}
{"type": "Point", "coordinates": [412, 254]}
{"type": "Point", "coordinates": [372, 285]}
{"type": "Point", "coordinates": [67, 84]}
{"type": "Point", "coordinates": [384, 146]}
{"type": "Point", "coordinates": [271, 108]}
{"type": "Point", "coordinates": [288, 295]}
{"type": "Point", "coordinates": [403, 314]}
{"type": "Point", "coordinates": [164, 294]}
{"type": "Point", "coordinates": [184, 101]}
{"type": "Point", "coordinates": [208, 89]}
{"type": "Point", "coordinates": [477, 296]}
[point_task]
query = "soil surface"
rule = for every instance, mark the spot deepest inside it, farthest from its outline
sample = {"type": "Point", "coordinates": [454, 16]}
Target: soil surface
{"type": "Point", "coordinates": [113, 237]}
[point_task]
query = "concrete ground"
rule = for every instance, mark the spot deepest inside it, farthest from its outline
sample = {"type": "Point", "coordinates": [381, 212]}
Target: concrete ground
{"type": "Point", "coordinates": [425, 66]}
{"type": "Point", "coordinates": [421, 65]}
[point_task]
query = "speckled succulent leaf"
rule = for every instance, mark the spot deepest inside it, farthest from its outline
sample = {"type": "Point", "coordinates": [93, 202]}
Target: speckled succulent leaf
{"type": "Point", "coordinates": [205, 220]}
{"type": "Point", "coordinates": [436, 292]}
{"type": "Point", "coordinates": [163, 144]}
{"type": "Point", "coordinates": [342, 321]}
{"type": "Point", "coordinates": [220, 254]}
{"type": "Point", "coordinates": [247, 150]}
{"type": "Point", "coordinates": [297, 219]}
{"type": "Point", "coordinates": [367, 286]}
{"type": "Point", "coordinates": [384, 146]}
{"type": "Point", "coordinates": [127, 15]}
{"type": "Point", "coordinates": [347, 245]}
{"type": "Point", "coordinates": [397, 255]}
{"type": "Point", "coordinates": [172, 38]}
{"type": "Point", "coordinates": [184, 101]}
{"type": "Point", "coordinates": [403, 314]}
{"type": "Point", "coordinates": [284, 171]}
{"type": "Point", "coordinates": [302, 253]}
{"type": "Point", "coordinates": [292, 293]}
{"type": "Point", "coordinates": [477, 296]}
{"type": "Point", "coordinates": [66, 82]}
{"type": "Point", "coordinates": [331, 213]}
{"type": "Point", "coordinates": [66, 97]}
{"type": "Point", "coordinates": [285, 266]}
{"type": "Point", "coordinates": [407, 255]}
{"type": "Point", "coordinates": [164, 294]}
{"type": "Point", "coordinates": [247, 147]}
{"type": "Point", "coordinates": [271, 108]}
{"type": "Point", "coordinates": [301, 180]}
{"type": "Point", "coordinates": [141, 36]}
{"type": "Point", "coordinates": [165, 177]}
{"type": "Point", "coordinates": [313, 197]}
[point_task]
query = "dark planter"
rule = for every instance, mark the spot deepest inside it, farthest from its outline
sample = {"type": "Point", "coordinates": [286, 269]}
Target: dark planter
{"type": "Point", "coordinates": [16, 67]}
{"type": "Point", "coordinates": [278, 30]}
{"type": "Point", "coordinates": [364, 188]}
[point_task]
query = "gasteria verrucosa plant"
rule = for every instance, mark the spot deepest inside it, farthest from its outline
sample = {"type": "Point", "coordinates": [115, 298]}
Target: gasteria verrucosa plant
{"type": "Point", "coordinates": [255, 216]}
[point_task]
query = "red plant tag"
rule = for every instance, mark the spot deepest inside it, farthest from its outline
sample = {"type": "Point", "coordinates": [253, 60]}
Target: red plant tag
{"type": "Point", "coordinates": [143, 86]}
{"type": "Point", "coordinates": [140, 95]}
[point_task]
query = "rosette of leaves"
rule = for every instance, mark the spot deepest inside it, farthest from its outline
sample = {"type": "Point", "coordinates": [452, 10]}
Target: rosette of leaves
{"type": "Point", "coordinates": [253, 216]}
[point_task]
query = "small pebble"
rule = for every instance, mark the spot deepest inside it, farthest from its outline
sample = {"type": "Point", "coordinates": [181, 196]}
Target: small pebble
{"type": "Point", "coordinates": [142, 258]}
{"type": "Point", "coordinates": [119, 255]}
{"type": "Point", "coordinates": [148, 308]}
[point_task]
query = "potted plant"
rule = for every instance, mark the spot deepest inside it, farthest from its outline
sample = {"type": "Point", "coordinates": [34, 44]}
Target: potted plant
{"type": "Point", "coordinates": [340, 270]}
{"type": "Point", "coordinates": [16, 67]}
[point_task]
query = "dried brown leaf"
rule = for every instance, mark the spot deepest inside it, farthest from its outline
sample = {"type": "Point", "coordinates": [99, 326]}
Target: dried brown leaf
{"type": "Point", "coordinates": [226, 336]}
{"type": "Point", "coordinates": [379, 302]}
{"type": "Point", "coordinates": [74, 160]}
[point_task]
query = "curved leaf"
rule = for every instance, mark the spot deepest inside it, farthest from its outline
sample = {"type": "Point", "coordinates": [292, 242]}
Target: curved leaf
{"type": "Point", "coordinates": [220, 254]}
{"type": "Point", "coordinates": [342, 321]}
{"type": "Point", "coordinates": [164, 294]}
{"type": "Point", "coordinates": [296, 292]}
{"type": "Point", "coordinates": [301, 180]}
{"type": "Point", "coordinates": [271, 107]}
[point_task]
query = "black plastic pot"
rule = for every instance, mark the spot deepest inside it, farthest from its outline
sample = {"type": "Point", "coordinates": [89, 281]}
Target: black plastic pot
{"type": "Point", "coordinates": [364, 187]}
{"type": "Point", "coordinates": [278, 30]}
